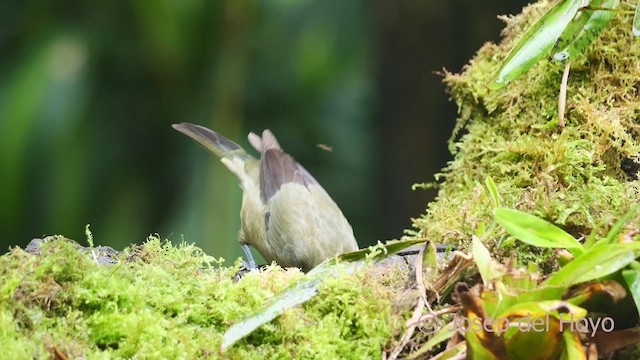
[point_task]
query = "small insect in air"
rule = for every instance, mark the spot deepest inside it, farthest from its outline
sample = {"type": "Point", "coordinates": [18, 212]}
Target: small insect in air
{"type": "Point", "coordinates": [325, 147]}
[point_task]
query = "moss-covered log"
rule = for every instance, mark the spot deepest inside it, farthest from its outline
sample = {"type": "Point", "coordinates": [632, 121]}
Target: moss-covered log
{"type": "Point", "coordinates": [583, 177]}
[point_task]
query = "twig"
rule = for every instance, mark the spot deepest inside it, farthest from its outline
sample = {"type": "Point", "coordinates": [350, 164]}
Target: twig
{"type": "Point", "coordinates": [562, 98]}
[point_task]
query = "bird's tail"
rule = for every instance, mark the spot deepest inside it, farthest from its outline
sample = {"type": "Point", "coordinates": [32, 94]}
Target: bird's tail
{"type": "Point", "coordinates": [265, 142]}
{"type": "Point", "coordinates": [212, 141]}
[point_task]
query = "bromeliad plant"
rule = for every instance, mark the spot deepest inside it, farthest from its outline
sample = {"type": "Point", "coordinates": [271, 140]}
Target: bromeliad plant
{"type": "Point", "coordinates": [514, 312]}
{"type": "Point", "coordinates": [593, 267]}
{"type": "Point", "coordinates": [566, 30]}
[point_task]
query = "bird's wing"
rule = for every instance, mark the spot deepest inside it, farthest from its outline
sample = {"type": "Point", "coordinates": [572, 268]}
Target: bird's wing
{"type": "Point", "coordinates": [278, 168]}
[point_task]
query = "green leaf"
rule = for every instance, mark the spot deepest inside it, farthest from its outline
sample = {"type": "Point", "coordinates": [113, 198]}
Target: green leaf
{"type": "Point", "coordinates": [542, 293]}
{"type": "Point", "coordinates": [617, 227]}
{"type": "Point", "coordinates": [598, 262]}
{"type": "Point", "coordinates": [632, 278]}
{"type": "Point", "coordinates": [538, 324]}
{"type": "Point", "coordinates": [307, 288]}
{"type": "Point", "coordinates": [292, 297]}
{"type": "Point", "coordinates": [486, 266]}
{"type": "Point", "coordinates": [535, 231]}
{"type": "Point", "coordinates": [430, 258]}
{"type": "Point", "coordinates": [390, 247]}
{"type": "Point", "coordinates": [581, 32]}
{"type": "Point", "coordinates": [493, 190]}
{"type": "Point", "coordinates": [444, 333]}
{"type": "Point", "coordinates": [593, 237]}
{"type": "Point", "coordinates": [542, 308]}
{"type": "Point", "coordinates": [573, 346]}
{"type": "Point", "coordinates": [454, 352]}
{"type": "Point", "coordinates": [474, 344]}
{"type": "Point", "coordinates": [536, 42]}
{"type": "Point", "coordinates": [525, 344]}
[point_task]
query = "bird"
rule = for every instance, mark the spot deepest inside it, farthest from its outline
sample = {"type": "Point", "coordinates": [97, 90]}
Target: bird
{"type": "Point", "coordinates": [286, 214]}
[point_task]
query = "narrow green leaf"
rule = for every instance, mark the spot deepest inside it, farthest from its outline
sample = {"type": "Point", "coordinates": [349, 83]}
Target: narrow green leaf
{"type": "Point", "coordinates": [292, 297]}
{"type": "Point", "coordinates": [541, 293]}
{"type": "Point", "coordinates": [430, 257]}
{"type": "Point", "coordinates": [474, 344]}
{"type": "Point", "coordinates": [307, 288]}
{"type": "Point", "coordinates": [617, 227]}
{"type": "Point", "coordinates": [390, 247]}
{"type": "Point", "coordinates": [493, 190]}
{"type": "Point", "coordinates": [481, 256]}
{"type": "Point", "coordinates": [596, 263]}
{"type": "Point", "coordinates": [536, 42]}
{"type": "Point", "coordinates": [632, 278]}
{"type": "Point", "coordinates": [573, 346]}
{"type": "Point", "coordinates": [444, 333]}
{"type": "Point", "coordinates": [542, 308]}
{"type": "Point", "coordinates": [453, 352]}
{"type": "Point", "coordinates": [480, 229]}
{"type": "Point", "coordinates": [535, 231]}
{"type": "Point", "coordinates": [571, 32]}
{"type": "Point", "coordinates": [593, 236]}
{"type": "Point", "coordinates": [581, 32]}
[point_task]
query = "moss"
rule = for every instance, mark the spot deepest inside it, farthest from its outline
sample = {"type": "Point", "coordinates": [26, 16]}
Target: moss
{"type": "Point", "coordinates": [582, 177]}
{"type": "Point", "coordinates": [161, 301]}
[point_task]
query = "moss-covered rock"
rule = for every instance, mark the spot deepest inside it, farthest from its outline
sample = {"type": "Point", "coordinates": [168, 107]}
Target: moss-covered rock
{"type": "Point", "coordinates": [160, 301]}
{"type": "Point", "coordinates": [582, 177]}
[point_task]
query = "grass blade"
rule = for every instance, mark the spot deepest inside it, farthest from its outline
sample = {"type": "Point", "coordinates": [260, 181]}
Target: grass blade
{"type": "Point", "coordinates": [493, 190]}
{"type": "Point", "coordinates": [617, 227]}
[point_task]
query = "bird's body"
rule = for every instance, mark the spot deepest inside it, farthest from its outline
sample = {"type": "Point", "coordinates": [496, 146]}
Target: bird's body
{"type": "Point", "coordinates": [286, 215]}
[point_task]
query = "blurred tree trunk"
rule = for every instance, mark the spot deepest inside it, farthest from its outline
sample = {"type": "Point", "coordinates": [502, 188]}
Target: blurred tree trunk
{"type": "Point", "coordinates": [222, 198]}
{"type": "Point", "coordinates": [414, 39]}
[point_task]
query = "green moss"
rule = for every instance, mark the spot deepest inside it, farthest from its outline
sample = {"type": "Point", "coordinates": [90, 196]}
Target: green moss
{"type": "Point", "coordinates": [161, 301]}
{"type": "Point", "coordinates": [583, 177]}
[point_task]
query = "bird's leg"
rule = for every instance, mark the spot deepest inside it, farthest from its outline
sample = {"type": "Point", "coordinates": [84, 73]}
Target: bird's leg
{"type": "Point", "coordinates": [250, 264]}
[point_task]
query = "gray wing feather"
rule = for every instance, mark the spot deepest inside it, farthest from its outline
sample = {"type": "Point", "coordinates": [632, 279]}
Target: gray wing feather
{"type": "Point", "coordinates": [277, 168]}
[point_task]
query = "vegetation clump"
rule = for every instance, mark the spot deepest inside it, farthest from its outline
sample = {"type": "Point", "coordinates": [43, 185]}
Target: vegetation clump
{"type": "Point", "coordinates": [162, 301]}
{"type": "Point", "coordinates": [582, 177]}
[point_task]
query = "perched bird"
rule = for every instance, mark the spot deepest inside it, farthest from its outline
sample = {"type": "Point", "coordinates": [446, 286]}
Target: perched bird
{"type": "Point", "coordinates": [286, 215]}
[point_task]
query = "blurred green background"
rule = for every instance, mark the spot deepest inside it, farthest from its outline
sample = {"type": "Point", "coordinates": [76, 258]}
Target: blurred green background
{"type": "Point", "coordinates": [89, 89]}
